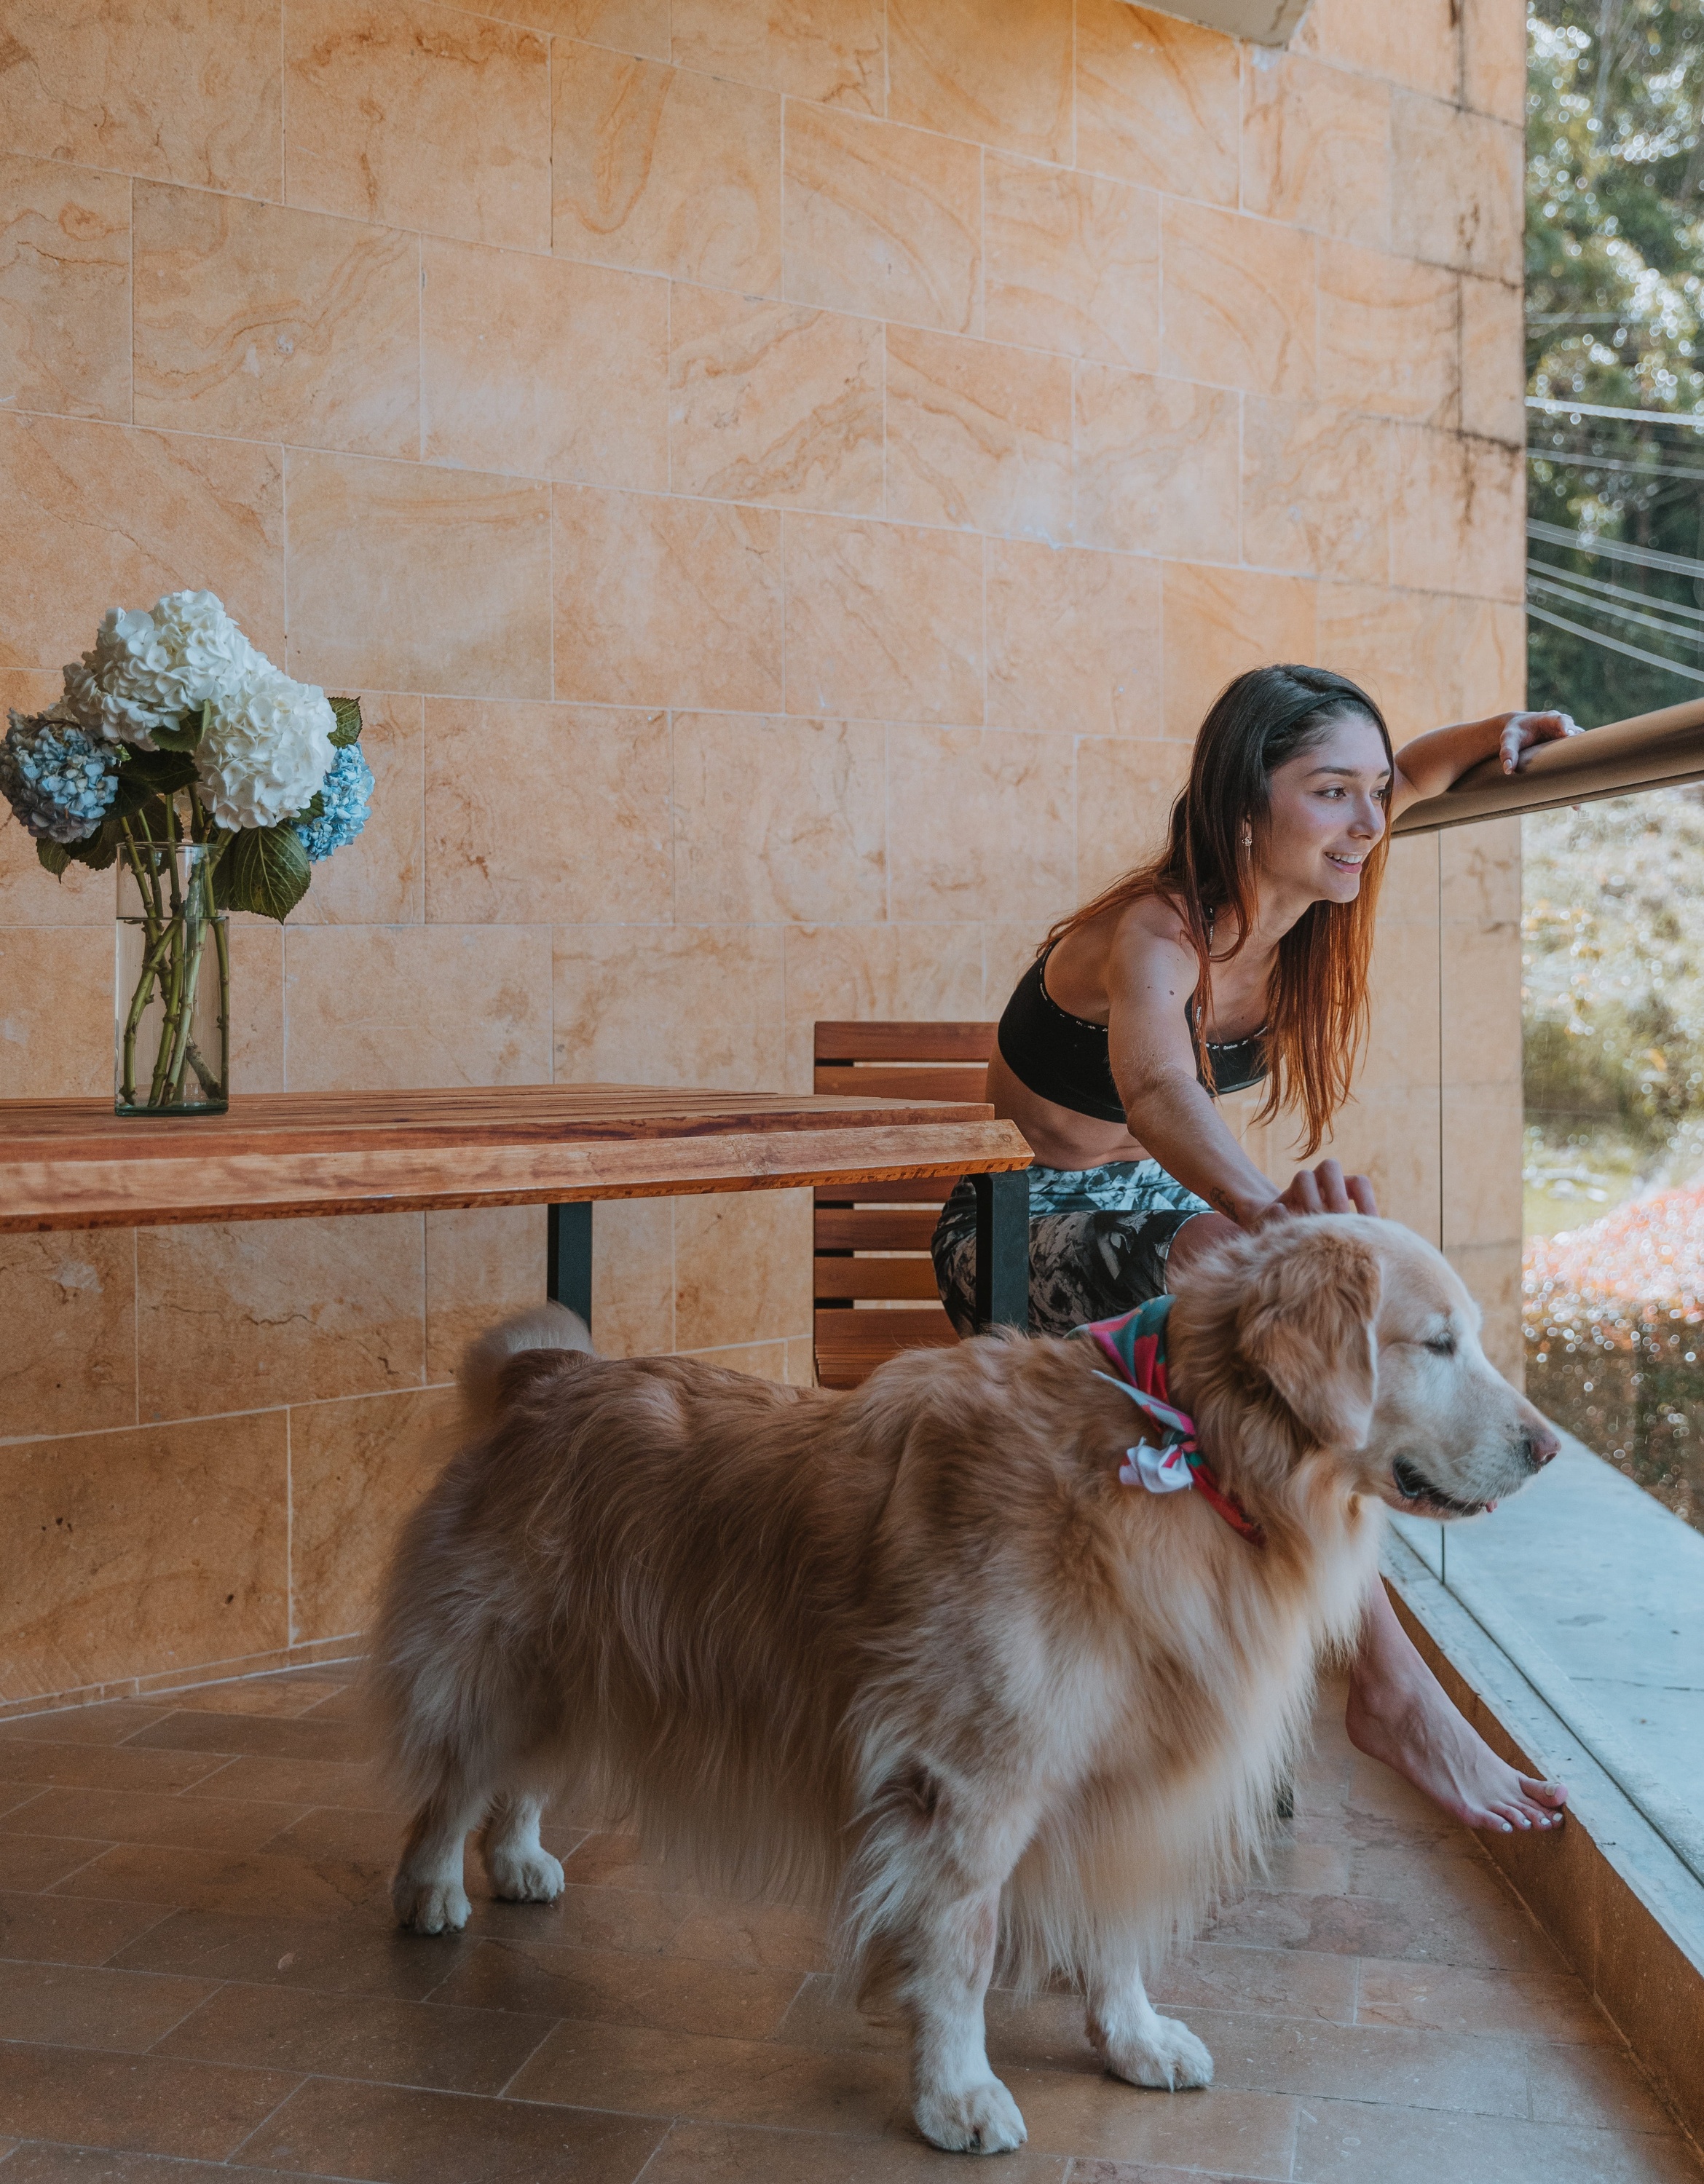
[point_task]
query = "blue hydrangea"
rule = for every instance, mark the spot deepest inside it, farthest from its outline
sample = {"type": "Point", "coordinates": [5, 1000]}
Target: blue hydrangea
{"type": "Point", "coordinates": [345, 793]}
{"type": "Point", "coordinates": [58, 780]}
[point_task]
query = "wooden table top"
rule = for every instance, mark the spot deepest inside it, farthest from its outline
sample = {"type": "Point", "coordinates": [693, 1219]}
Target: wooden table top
{"type": "Point", "coordinates": [74, 1164]}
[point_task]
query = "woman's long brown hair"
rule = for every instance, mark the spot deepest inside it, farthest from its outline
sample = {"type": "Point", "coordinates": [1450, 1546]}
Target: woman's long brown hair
{"type": "Point", "coordinates": [1316, 1007]}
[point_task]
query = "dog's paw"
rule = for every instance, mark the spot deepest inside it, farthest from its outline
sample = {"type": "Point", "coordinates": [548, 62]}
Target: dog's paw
{"type": "Point", "coordinates": [429, 1906]}
{"type": "Point", "coordinates": [1169, 2056]}
{"type": "Point", "coordinates": [974, 2119]}
{"type": "Point", "coordinates": [524, 1876]}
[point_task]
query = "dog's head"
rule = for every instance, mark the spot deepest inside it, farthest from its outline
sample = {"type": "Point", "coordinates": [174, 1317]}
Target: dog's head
{"type": "Point", "coordinates": [1368, 1340]}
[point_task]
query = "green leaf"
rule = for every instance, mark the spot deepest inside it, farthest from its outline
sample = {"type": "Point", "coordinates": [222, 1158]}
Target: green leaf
{"type": "Point", "coordinates": [159, 772]}
{"type": "Point", "coordinates": [348, 727]}
{"type": "Point", "coordinates": [269, 871]}
{"type": "Point", "coordinates": [99, 851]}
{"type": "Point", "coordinates": [314, 809]}
{"type": "Point", "coordinates": [188, 732]}
{"type": "Point", "coordinates": [55, 856]}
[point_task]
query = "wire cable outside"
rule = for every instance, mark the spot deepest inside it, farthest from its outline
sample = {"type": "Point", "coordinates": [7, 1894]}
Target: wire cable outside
{"type": "Point", "coordinates": [1588, 599]}
{"type": "Point", "coordinates": [1642, 557]}
{"type": "Point", "coordinates": [1614, 643]}
{"type": "Point", "coordinates": [1601, 586]}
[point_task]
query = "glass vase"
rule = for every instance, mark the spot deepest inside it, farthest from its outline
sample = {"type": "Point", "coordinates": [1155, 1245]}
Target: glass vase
{"type": "Point", "coordinates": [172, 988]}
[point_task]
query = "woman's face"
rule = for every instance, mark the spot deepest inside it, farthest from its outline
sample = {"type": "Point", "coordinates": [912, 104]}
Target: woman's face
{"type": "Point", "coordinates": [1327, 812]}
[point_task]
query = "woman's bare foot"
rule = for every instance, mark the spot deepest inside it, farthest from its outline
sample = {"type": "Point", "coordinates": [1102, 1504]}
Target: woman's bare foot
{"type": "Point", "coordinates": [1398, 1714]}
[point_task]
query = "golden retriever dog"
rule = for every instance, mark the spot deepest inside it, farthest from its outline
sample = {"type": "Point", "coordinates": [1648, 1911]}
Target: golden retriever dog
{"type": "Point", "coordinates": [913, 1653]}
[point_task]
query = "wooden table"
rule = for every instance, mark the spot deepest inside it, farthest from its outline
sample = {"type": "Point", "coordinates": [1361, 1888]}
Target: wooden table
{"type": "Point", "coordinates": [74, 1164]}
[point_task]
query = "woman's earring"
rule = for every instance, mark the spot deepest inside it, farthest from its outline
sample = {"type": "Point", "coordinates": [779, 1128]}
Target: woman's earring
{"type": "Point", "coordinates": [1248, 837]}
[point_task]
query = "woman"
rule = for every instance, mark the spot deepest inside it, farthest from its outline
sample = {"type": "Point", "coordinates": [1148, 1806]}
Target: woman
{"type": "Point", "coordinates": [1238, 956]}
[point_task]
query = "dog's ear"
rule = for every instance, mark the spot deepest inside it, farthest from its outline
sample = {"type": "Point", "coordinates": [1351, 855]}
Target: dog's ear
{"type": "Point", "coordinates": [1307, 1326]}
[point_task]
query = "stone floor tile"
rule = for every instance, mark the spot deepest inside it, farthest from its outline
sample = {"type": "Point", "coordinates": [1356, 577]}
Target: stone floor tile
{"type": "Point", "coordinates": [607, 1861]}
{"type": "Point", "coordinates": [40, 2164]}
{"type": "Point", "coordinates": [332, 1956]}
{"type": "Point", "coordinates": [92, 2006]}
{"type": "Point", "coordinates": [1397, 2067]}
{"type": "Point", "coordinates": [109, 1724]}
{"type": "Point", "coordinates": [104, 1767]}
{"type": "Point", "coordinates": [360, 1785]}
{"type": "Point", "coordinates": [1221, 2128]}
{"type": "Point", "coordinates": [1348, 2142]}
{"type": "Point", "coordinates": [755, 1936]}
{"type": "Point", "coordinates": [1284, 1983]}
{"type": "Point", "coordinates": [671, 1994]}
{"type": "Point", "coordinates": [712, 2080]}
{"type": "Point", "coordinates": [398, 2135]}
{"type": "Point", "coordinates": [819, 2017]}
{"type": "Point", "coordinates": [299, 1691]}
{"type": "Point", "coordinates": [229, 1880]}
{"type": "Point", "coordinates": [64, 1931]}
{"type": "Point", "coordinates": [144, 2103]}
{"type": "Point", "coordinates": [34, 1862]}
{"type": "Point", "coordinates": [237, 1734]}
{"type": "Point", "coordinates": [1452, 1998]}
{"type": "Point", "coordinates": [715, 2153]}
{"type": "Point", "coordinates": [342, 2036]}
{"type": "Point", "coordinates": [135, 1816]}
{"type": "Point", "coordinates": [1602, 2088]}
{"type": "Point", "coordinates": [1491, 1932]}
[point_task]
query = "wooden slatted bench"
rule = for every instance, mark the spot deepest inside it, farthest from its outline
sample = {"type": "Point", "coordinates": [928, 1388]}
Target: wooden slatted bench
{"type": "Point", "coordinates": [872, 1239]}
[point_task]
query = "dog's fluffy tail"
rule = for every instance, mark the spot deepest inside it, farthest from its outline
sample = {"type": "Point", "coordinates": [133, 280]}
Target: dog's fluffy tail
{"type": "Point", "coordinates": [485, 1362]}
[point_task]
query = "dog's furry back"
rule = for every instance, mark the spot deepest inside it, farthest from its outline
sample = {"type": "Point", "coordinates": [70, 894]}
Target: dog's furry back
{"type": "Point", "coordinates": [786, 1630]}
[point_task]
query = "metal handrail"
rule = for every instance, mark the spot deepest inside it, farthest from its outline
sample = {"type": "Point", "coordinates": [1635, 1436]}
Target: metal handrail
{"type": "Point", "coordinates": [1652, 750]}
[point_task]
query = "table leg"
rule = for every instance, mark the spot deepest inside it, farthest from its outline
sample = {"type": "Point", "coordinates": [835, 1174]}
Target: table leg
{"type": "Point", "coordinates": [568, 1257]}
{"type": "Point", "coordinates": [1003, 1249]}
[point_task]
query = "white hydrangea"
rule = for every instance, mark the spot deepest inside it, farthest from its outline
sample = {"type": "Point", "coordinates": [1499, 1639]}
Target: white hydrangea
{"type": "Point", "coordinates": [267, 749]}
{"type": "Point", "coordinates": [147, 669]}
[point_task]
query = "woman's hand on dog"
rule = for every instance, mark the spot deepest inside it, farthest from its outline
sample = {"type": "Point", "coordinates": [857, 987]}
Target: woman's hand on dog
{"type": "Point", "coordinates": [1321, 1190]}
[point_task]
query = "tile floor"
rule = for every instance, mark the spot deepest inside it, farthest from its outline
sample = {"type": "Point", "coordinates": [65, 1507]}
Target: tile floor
{"type": "Point", "coordinates": [197, 1973]}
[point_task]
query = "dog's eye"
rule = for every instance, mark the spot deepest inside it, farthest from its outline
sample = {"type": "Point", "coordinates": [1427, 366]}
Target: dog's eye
{"type": "Point", "coordinates": [1441, 1346]}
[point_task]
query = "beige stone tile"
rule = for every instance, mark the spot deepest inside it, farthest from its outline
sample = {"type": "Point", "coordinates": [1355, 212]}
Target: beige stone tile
{"type": "Point", "coordinates": [126, 83]}
{"type": "Point", "coordinates": [1492, 1272]}
{"type": "Point", "coordinates": [1399, 646]}
{"type": "Point", "coordinates": [1317, 489]}
{"type": "Point", "coordinates": [545, 813]}
{"type": "Point", "coordinates": [68, 1303]}
{"type": "Point", "coordinates": [662, 602]}
{"type": "Point", "coordinates": [260, 323]}
{"type": "Point", "coordinates": [1410, 882]}
{"type": "Point", "coordinates": [664, 170]}
{"type": "Point", "coordinates": [1125, 794]}
{"type": "Point", "coordinates": [978, 821]}
{"type": "Point", "coordinates": [1238, 301]}
{"type": "Point", "coordinates": [1072, 263]}
{"type": "Point", "coordinates": [1482, 1163]}
{"type": "Point", "coordinates": [356, 1469]}
{"type": "Point", "coordinates": [1316, 146]}
{"type": "Point", "coordinates": [742, 1268]}
{"type": "Point", "coordinates": [1493, 361]}
{"type": "Point", "coordinates": [1219, 622]}
{"type": "Point", "coordinates": [1458, 515]}
{"type": "Point", "coordinates": [406, 578]}
{"type": "Point", "coordinates": [55, 1015]}
{"type": "Point", "coordinates": [1547, 2006]}
{"type": "Point", "coordinates": [1493, 60]}
{"type": "Point", "coordinates": [1414, 45]}
{"type": "Point", "coordinates": [1085, 2112]}
{"type": "Point", "coordinates": [1491, 644]}
{"type": "Point", "coordinates": [1158, 100]}
{"type": "Point", "coordinates": [196, 512]}
{"type": "Point", "coordinates": [65, 289]}
{"type": "Point", "coordinates": [135, 1553]}
{"type": "Point", "coordinates": [768, 402]}
{"type": "Point", "coordinates": [979, 435]}
{"type": "Point", "coordinates": [548, 368]}
{"type": "Point", "coordinates": [482, 1264]}
{"type": "Point", "coordinates": [379, 877]}
{"type": "Point", "coordinates": [683, 1005]}
{"type": "Point", "coordinates": [882, 621]}
{"type": "Point", "coordinates": [631, 26]}
{"type": "Point", "coordinates": [1008, 951]}
{"type": "Point", "coordinates": [1386, 334]}
{"type": "Point", "coordinates": [835, 51]}
{"type": "Point", "coordinates": [882, 220]}
{"type": "Point", "coordinates": [1455, 182]}
{"type": "Point", "coordinates": [402, 1006]}
{"type": "Point", "coordinates": [633, 1275]}
{"type": "Point", "coordinates": [1341, 2141]}
{"type": "Point", "coordinates": [233, 1315]}
{"type": "Point", "coordinates": [1000, 77]}
{"type": "Point", "coordinates": [722, 2153]}
{"type": "Point", "coordinates": [1073, 640]}
{"type": "Point", "coordinates": [257, 1006]}
{"type": "Point", "coordinates": [421, 116]}
{"type": "Point", "coordinates": [1482, 1000]}
{"type": "Point", "coordinates": [1279, 1982]}
{"type": "Point", "coordinates": [1402, 1049]}
{"type": "Point", "coordinates": [1156, 465]}
{"type": "Point", "coordinates": [779, 819]}
{"type": "Point", "coordinates": [847, 972]}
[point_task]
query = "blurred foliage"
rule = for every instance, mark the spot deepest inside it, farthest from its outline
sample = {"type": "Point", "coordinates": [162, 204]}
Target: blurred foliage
{"type": "Point", "coordinates": [1615, 296]}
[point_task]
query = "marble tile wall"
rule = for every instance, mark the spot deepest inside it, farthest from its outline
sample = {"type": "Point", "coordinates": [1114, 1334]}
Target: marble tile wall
{"type": "Point", "coordinates": [785, 483]}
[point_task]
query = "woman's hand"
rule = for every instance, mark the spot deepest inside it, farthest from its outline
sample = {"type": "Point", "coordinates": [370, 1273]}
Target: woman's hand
{"type": "Point", "coordinates": [1523, 730]}
{"type": "Point", "coordinates": [1323, 1189]}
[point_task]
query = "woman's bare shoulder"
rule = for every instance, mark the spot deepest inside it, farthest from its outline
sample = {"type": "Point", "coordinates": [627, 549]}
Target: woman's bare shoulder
{"type": "Point", "coordinates": [1150, 932]}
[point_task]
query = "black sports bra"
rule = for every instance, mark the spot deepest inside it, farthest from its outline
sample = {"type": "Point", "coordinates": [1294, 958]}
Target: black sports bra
{"type": "Point", "coordinates": [1064, 1058]}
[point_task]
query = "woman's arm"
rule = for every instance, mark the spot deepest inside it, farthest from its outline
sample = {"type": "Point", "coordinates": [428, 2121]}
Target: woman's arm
{"type": "Point", "coordinates": [1436, 760]}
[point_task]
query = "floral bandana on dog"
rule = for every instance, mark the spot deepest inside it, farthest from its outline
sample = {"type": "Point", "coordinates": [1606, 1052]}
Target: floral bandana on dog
{"type": "Point", "coordinates": [1136, 1345]}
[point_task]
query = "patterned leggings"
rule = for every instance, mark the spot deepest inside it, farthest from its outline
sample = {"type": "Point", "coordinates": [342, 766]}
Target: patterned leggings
{"type": "Point", "coordinates": [1098, 1240]}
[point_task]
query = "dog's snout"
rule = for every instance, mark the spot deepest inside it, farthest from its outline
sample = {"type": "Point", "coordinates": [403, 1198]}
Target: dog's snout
{"type": "Point", "coordinates": [1538, 1446]}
